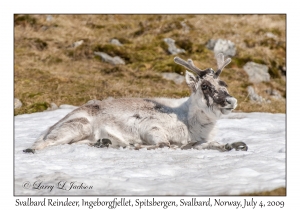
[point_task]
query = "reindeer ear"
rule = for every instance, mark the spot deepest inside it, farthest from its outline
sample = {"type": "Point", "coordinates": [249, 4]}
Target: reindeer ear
{"type": "Point", "coordinates": [191, 80]}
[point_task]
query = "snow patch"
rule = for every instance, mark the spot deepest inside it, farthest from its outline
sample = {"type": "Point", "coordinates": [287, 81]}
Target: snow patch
{"type": "Point", "coordinates": [155, 172]}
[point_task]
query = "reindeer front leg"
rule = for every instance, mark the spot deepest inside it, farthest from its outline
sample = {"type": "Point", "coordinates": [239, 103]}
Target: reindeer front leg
{"type": "Point", "coordinates": [238, 146]}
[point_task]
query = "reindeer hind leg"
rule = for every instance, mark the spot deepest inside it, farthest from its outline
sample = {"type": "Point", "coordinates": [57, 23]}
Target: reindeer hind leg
{"type": "Point", "coordinates": [68, 132]}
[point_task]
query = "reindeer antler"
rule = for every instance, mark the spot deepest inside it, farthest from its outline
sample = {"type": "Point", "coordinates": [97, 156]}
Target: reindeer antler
{"type": "Point", "coordinates": [189, 64]}
{"type": "Point", "coordinates": [221, 64]}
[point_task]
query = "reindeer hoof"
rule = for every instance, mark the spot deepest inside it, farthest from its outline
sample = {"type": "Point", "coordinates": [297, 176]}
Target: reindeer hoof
{"type": "Point", "coordinates": [239, 146]}
{"type": "Point", "coordinates": [102, 143]}
{"type": "Point", "coordinates": [106, 142]}
{"type": "Point", "coordinates": [228, 147]}
{"type": "Point", "coordinates": [97, 144]}
{"type": "Point", "coordinates": [29, 150]}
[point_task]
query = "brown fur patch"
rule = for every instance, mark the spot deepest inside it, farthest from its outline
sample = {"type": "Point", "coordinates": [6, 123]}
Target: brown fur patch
{"type": "Point", "coordinates": [92, 109]}
{"type": "Point", "coordinates": [82, 120]}
{"type": "Point", "coordinates": [214, 91]}
{"type": "Point", "coordinates": [137, 116]}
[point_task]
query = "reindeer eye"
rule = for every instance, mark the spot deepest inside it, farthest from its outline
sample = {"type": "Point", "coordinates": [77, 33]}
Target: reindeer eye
{"type": "Point", "coordinates": [204, 87]}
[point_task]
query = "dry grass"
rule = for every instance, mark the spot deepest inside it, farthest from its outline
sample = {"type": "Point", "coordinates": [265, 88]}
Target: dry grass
{"type": "Point", "coordinates": [48, 69]}
{"type": "Point", "coordinates": [277, 192]}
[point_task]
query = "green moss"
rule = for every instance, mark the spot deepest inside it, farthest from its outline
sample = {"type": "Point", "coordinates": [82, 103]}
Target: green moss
{"type": "Point", "coordinates": [139, 56]}
{"type": "Point", "coordinates": [150, 76]}
{"type": "Point", "coordinates": [240, 62]}
{"type": "Point", "coordinates": [269, 42]}
{"type": "Point", "coordinates": [276, 31]}
{"type": "Point", "coordinates": [245, 84]}
{"type": "Point", "coordinates": [281, 45]}
{"type": "Point", "coordinates": [24, 20]}
{"type": "Point", "coordinates": [273, 70]}
{"type": "Point", "coordinates": [123, 40]}
{"type": "Point", "coordinates": [114, 50]}
{"type": "Point", "coordinates": [83, 51]}
{"type": "Point", "coordinates": [199, 48]}
{"type": "Point", "coordinates": [131, 53]}
{"type": "Point", "coordinates": [94, 26]}
{"type": "Point", "coordinates": [117, 71]}
{"type": "Point", "coordinates": [170, 26]}
{"type": "Point", "coordinates": [190, 16]}
{"type": "Point", "coordinates": [205, 55]}
{"type": "Point", "coordinates": [32, 95]}
{"type": "Point", "coordinates": [168, 65]}
{"type": "Point", "coordinates": [38, 107]}
{"type": "Point", "coordinates": [69, 53]}
{"type": "Point", "coordinates": [250, 43]}
{"type": "Point", "coordinates": [40, 44]}
{"type": "Point", "coordinates": [259, 61]}
{"type": "Point", "coordinates": [274, 73]}
{"type": "Point", "coordinates": [281, 83]}
{"type": "Point", "coordinates": [120, 26]}
{"type": "Point", "coordinates": [189, 25]}
{"type": "Point", "coordinates": [185, 44]}
{"type": "Point", "coordinates": [96, 57]}
{"type": "Point", "coordinates": [54, 60]}
{"type": "Point", "coordinates": [263, 31]}
{"type": "Point", "coordinates": [140, 31]}
{"type": "Point", "coordinates": [164, 46]}
{"type": "Point", "coordinates": [176, 68]}
{"type": "Point", "coordinates": [155, 18]}
{"type": "Point", "coordinates": [37, 73]}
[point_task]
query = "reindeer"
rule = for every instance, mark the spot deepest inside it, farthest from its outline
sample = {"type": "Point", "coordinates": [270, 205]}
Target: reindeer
{"type": "Point", "coordinates": [151, 123]}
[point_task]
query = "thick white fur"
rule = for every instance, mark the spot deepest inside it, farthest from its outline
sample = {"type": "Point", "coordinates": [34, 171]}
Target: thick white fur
{"type": "Point", "coordinates": [185, 123]}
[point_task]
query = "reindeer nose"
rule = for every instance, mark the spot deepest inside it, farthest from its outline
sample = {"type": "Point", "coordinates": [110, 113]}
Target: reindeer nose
{"type": "Point", "coordinates": [232, 101]}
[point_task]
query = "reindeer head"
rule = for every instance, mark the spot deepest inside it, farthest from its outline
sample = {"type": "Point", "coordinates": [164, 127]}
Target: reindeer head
{"type": "Point", "coordinates": [208, 91]}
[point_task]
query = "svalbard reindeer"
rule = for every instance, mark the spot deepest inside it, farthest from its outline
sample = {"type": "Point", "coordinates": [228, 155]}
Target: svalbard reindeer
{"type": "Point", "coordinates": [151, 123]}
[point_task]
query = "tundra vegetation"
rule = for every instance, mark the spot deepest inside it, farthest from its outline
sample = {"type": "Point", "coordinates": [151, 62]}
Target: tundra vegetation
{"type": "Point", "coordinates": [49, 67]}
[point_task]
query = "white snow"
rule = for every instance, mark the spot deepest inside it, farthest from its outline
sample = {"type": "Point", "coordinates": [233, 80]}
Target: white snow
{"type": "Point", "coordinates": [154, 172]}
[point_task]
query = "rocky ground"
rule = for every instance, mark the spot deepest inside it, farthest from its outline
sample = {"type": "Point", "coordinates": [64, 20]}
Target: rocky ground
{"type": "Point", "coordinates": [71, 59]}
